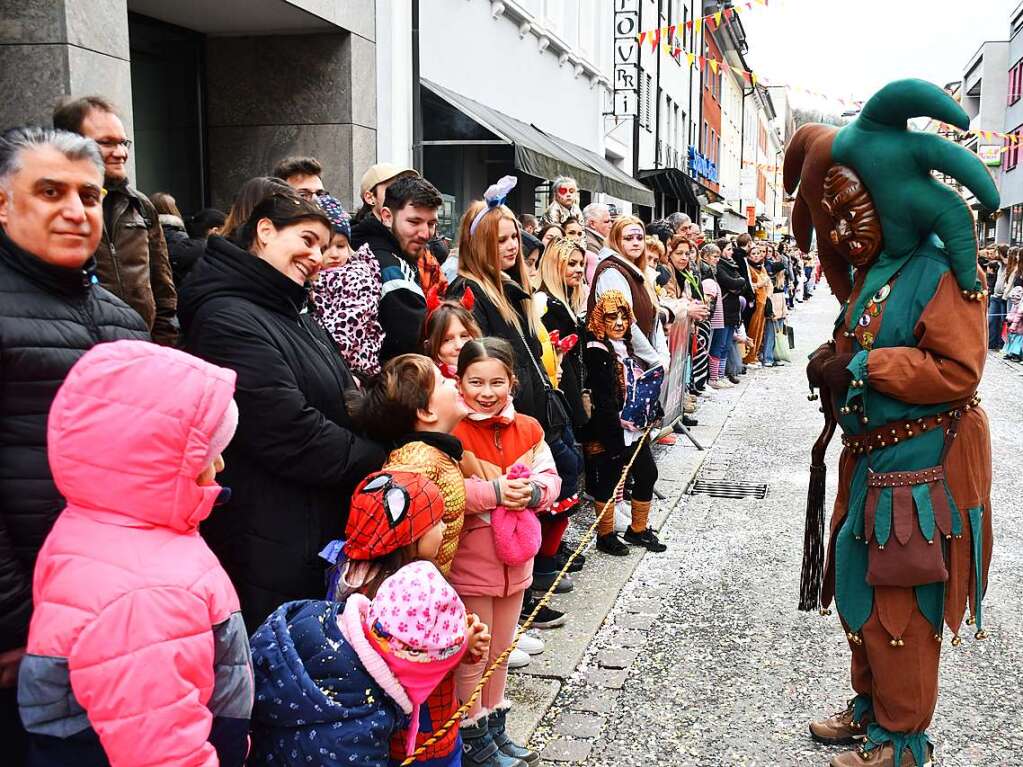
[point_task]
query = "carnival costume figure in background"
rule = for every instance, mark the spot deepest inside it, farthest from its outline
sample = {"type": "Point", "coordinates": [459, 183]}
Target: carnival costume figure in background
{"type": "Point", "coordinates": [566, 202]}
{"type": "Point", "coordinates": [910, 538]}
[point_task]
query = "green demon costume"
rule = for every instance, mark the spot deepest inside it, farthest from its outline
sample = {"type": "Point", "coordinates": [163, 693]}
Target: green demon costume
{"type": "Point", "coordinates": [910, 539]}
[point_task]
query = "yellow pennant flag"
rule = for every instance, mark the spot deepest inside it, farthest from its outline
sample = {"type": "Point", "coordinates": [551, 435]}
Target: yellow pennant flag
{"type": "Point", "coordinates": [713, 65]}
{"type": "Point", "coordinates": [737, 9]}
{"type": "Point", "coordinates": [691, 58]}
{"type": "Point", "coordinates": [697, 24]}
{"type": "Point", "coordinates": [717, 18]}
{"type": "Point", "coordinates": [753, 78]}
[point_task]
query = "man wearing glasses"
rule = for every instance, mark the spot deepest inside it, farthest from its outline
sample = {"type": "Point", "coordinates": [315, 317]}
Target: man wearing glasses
{"type": "Point", "coordinates": [131, 259]}
{"type": "Point", "coordinates": [303, 174]}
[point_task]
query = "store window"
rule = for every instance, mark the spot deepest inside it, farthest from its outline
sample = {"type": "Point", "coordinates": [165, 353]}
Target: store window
{"type": "Point", "coordinates": [167, 93]}
{"type": "Point", "coordinates": [1016, 224]}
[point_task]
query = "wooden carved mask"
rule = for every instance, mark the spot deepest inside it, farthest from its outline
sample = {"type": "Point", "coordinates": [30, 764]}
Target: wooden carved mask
{"type": "Point", "coordinates": [855, 227]}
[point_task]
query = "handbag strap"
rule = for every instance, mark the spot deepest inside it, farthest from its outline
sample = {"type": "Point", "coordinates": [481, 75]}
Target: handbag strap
{"type": "Point", "coordinates": [543, 375]}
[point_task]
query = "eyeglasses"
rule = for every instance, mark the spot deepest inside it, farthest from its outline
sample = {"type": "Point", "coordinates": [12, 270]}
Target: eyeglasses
{"type": "Point", "coordinates": [113, 143]}
{"type": "Point", "coordinates": [309, 194]}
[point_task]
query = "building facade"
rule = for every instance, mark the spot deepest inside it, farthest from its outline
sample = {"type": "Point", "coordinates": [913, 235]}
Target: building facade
{"type": "Point", "coordinates": [983, 96]}
{"type": "Point", "coordinates": [1010, 221]}
{"type": "Point", "coordinates": [211, 92]}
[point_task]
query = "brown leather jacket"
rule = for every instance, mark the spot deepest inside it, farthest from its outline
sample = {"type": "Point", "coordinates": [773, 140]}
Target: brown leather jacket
{"type": "Point", "coordinates": [132, 261]}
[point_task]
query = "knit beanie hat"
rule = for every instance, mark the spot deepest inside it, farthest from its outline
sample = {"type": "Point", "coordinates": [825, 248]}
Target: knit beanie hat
{"type": "Point", "coordinates": [225, 430]}
{"type": "Point", "coordinates": [336, 213]}
{"type": "Point", "coordinates": [390, 509]}
{"type": "Point", "coordinates": [417, 624]}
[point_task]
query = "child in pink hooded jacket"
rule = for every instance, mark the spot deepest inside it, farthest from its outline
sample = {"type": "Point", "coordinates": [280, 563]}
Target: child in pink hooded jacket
{"type": "Point", "coordinates": [137, 653]}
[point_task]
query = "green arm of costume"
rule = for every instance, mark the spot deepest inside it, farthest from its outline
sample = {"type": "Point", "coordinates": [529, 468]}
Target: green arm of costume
{"type": "Point", "coordinates": [947, 363]}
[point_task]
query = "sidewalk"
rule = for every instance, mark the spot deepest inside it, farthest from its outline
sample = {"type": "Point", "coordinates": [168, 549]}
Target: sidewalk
{"type": "Point", "coordinates": [534, 688]}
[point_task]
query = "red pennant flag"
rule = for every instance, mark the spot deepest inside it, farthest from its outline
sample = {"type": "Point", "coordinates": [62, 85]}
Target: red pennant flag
{"type": "Point", "coordinates": [728, 14]}
{"type": "Point", "coordinates": [642, 37]}
{"type": "Point", "coordinates": [689, 24]}
{"type": "Point", "coordinates": [724, 66]}
{"type": "Point", "coordinates": [656, 38]}
{"type": "Point", "coordinates": [703, 62]}
{"type": "Point", "coordinates": [746, 77]}
{"type": "Point", "coordinates": [671, 31]}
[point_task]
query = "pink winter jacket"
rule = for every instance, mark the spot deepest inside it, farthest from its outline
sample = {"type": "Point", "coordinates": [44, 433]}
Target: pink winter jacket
{"type": "Point", "coordinates": [136, 632]}
{"type": "Point", "coordinates": [491, 447]}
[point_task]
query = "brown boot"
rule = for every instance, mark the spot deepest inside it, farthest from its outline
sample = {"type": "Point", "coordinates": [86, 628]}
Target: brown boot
{"type": "Point", "coordinates": [881, 756]}
{"type": "Point", "coordinates": [839, 729]}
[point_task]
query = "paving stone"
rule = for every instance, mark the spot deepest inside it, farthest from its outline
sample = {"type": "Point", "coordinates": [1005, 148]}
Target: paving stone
{"type": "Point", "coordinates": [597, 702]}
{"type": "Point", "coordinates": [629, 638]}
{"type": "Point", "coordinates": [564, 750]}
{"type": "Point", "coordinates": [643, 606]}
{"type": "Point", "coordinates": [638, 622]}
{"type": "Point", "coordinates": [614, 680]}
{"type": "Point", "coordinates": [617, 659]}
{"type": "Point", "coordinates": [580, 725]}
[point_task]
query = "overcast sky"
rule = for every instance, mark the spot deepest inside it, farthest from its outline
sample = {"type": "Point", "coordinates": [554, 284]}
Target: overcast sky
{"type": "Point", "coordinates": [853, 47]}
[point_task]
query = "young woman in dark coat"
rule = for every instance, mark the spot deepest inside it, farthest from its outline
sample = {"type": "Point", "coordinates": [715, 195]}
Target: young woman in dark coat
{"type": "Point", "coordinates": [294, 460]}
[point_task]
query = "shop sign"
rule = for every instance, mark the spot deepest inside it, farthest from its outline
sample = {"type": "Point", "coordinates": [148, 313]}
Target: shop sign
{"type": "Point", "coordinates": [702, 167]}
{"type": "Point", "coordinates": [626, 58]}
{"type": "Point", "coordinates": [751, 215]}
{"type": "Point", "coordinates": [990, 155]}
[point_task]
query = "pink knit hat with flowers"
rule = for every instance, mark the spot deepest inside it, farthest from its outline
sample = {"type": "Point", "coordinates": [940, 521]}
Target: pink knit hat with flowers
{"type": "Point", "coordinates": [417, 623]}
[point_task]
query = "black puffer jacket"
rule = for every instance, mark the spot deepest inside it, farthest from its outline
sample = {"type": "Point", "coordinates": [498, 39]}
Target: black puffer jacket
{"type": "Point", "coordinates": [530, 398]}
{"type": "Point", "coordinates": [49, 317]}
{"type": "Point", "coordinates": [732, 285]}
{"type": "Point", "coordinates": [294, 460]}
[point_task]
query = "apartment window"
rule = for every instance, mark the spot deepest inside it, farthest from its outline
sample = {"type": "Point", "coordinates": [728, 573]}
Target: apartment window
{"type": "Point", "coordinates": [677, 137]}
{"type": "Point", "coordinates": [1016, 82]}
{"type": "Point", "coordinates": [646, 88]}
{"type": "Point", "coordinates": [1010, 158]}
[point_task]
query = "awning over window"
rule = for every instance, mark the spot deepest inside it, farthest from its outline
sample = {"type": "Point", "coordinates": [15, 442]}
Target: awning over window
{"type": "Point", "coordinates": [536, 153]}
{"type": "Point", "coordinates": [672, 182]}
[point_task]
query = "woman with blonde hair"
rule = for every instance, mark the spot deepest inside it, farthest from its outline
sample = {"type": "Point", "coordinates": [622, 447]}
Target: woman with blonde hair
{"type": "Point", "coordinates": [491, 264]}
{"type": "Point", "coordinates": [621, 266]}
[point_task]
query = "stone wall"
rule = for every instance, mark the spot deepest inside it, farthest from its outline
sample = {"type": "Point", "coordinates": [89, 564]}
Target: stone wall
{"type": "Point", "coordinates": [273, 96]}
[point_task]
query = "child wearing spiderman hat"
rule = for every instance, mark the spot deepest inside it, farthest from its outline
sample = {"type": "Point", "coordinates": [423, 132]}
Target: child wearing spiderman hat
{"type": "Point", "coordinates": [413, 407]}
{"type": "Point", "coordinates": [336, 683]}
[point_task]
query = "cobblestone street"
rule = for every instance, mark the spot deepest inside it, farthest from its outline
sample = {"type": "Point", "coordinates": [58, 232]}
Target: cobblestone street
{"type": "Point", "coordinates": [704, 660]}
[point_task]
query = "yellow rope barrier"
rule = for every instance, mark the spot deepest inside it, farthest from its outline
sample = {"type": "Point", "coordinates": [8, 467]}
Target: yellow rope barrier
{"type": "Point", "coordinates": [544, 601]}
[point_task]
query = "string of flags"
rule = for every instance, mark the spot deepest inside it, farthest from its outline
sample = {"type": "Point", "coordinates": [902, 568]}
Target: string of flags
{"type": "Point", "coordinates": [1011, 139]}
{"type": "Point", "coordinates": [712, 21]}
{"type": "Point", "coordinates": [751, 78]}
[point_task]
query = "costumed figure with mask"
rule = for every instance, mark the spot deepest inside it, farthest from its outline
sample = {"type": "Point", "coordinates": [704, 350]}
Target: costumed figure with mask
{"type": "Point", "coordinates": [624, 400]}
{"type": "Point", "coordinates": [910, 535]}
{"type": "Point", "coordinates": [565, 204]}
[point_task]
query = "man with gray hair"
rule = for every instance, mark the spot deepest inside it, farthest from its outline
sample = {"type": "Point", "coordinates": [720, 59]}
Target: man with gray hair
{"type": "Point", "coordinates": [597, 223]}
{"type": "Point", "coordinates": [677, 220]}
{"type": "Point", "coordinates": [51, 220]}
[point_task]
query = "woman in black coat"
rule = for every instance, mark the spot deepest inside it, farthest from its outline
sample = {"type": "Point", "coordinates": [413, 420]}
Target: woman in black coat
{"type": "Point", "coordinates": [294, 460]}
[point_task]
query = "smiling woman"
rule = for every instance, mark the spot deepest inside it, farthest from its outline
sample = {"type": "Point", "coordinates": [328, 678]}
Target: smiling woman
{"type": "Point", "coordinates": [294, 461]}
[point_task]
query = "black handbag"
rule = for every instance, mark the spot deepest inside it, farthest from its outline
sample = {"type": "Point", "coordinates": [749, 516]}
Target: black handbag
{"type": "Point", "coordinates": [555, 403]}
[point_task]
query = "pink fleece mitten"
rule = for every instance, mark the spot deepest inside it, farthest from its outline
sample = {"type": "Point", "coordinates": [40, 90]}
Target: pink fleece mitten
{"type": "Point", "coordinates": [516, 531]}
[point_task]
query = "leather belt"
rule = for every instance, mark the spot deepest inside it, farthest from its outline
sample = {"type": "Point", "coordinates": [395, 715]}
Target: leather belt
{"type": "Point", "coordinates": [900, 431]}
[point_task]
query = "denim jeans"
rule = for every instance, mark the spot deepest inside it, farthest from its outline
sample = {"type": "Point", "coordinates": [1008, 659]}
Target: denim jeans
{"type": "Point", "coordinates": [767, 348]}
{"type": "Point", "coordinates": [719, 341]}
{"type": "Point", "coordinates": [995, 319]}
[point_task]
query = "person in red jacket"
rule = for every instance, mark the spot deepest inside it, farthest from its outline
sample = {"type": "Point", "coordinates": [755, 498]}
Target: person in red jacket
{"type": "Point", "coordinates": [496, 439]}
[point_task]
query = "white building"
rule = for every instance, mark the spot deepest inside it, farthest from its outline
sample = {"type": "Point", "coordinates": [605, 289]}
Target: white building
{"type": "Point", "coordinates": [983, 97]}
{"type": "Point", "coordinates": [516, 87]}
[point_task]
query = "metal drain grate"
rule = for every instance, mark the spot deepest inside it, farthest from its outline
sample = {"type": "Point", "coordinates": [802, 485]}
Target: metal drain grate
{"type": "Point", "coordinates": [723, 489]}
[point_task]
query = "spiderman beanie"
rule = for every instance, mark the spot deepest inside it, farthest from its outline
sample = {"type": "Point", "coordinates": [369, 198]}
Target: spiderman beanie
{"type": "Point", "coordinates": [390, 509]}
